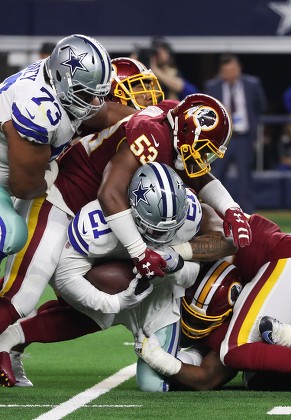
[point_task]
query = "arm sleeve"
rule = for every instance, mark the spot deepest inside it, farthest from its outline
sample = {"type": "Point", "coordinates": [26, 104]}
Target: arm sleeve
{"type": "Point", "coordinates": [216, 196]}
{"type": "Point", "coordinates": [78, 292]}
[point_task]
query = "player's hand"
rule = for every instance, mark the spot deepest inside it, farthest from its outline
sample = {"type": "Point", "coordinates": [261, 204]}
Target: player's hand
{"type": "Point", "coordinates": [173, 260]}
{"type": "Point", "coordinates": [129, 299]}
{"type": "Point", "coordinates": [235, 222]}
{"type": "Point", "coordinates": [149, 349]}
{"type": "Point", "coordinates": [150, 264]}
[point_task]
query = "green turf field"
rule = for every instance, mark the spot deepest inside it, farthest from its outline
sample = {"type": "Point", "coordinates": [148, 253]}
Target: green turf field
{"type": "Point", "coordinates": [62, 371]}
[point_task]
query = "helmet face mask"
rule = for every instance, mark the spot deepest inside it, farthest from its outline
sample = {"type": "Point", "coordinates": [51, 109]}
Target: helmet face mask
{"type": "Point", "coordinates": [210, 300]}
{"type": "Point", "coordinates": [80, 71]}
{"type": "Point", "coordinates": [202, 129]}
{"type": "Point", "coordinates": [158, 201]}
{"type": "Point", "coordinates": [134, 84]}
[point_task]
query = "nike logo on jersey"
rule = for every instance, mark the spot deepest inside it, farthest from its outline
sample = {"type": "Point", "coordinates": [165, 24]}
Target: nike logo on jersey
{"type": "Point", "coordinates": [32, 117]}
{"type": "Point", "coordinates": [84, 231]}
{"type": "Point", "coordinates": [155, 141]}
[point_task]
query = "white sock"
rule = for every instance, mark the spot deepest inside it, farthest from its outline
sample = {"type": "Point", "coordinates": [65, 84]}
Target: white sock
{"type": "Point", "coordinates": [283, 334]}
{"type": "Point", "coordinates": [12, 336]}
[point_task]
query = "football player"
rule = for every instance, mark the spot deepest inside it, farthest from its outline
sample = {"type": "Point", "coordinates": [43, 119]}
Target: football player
{"type": "Point", "coordinates": [165, 213]}
{"type": "Point", "coordinates": [187, 136]}
{"type": "Point", "coordinates": [235, 344]}
{"type": "Point", "coordinates": [41, 108]}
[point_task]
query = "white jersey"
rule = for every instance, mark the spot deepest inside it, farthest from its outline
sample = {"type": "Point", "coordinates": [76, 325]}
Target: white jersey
{"type": "Point", "coordinates": [89, 238]}
{"type": "Point", "coordinates": [30, 102]}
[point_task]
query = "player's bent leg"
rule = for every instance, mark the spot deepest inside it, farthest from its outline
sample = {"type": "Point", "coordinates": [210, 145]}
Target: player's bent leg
{"type": "Point", "coordinates": [28, 272]}
{"type": "Point", "coordinates": [13, 228]}
{"type": "Point", "coordinates": [149, 380]}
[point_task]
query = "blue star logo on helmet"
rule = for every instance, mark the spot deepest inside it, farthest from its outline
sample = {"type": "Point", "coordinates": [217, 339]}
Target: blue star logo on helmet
{"type": "Point", "coordinates": [141, 192]}
{"type": "Point", "coordinates": [75, 62]}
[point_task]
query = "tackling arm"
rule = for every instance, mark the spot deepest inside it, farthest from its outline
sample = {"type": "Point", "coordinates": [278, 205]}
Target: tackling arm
{"type": "Point", "coordinates": [108, 115]}
{"type": "Point", "coordinates": [209, 375]}
{"type": "Point", "coordinates": [210, 244]}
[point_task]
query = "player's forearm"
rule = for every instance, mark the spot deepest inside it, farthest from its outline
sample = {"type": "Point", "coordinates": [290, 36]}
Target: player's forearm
{"type": "Point", "coordinates": [79, 293]}
{"type": "Point", "coordinates": [211, 247]}
{"type": "Point", "coordinates": [210, 375]}
{"type": "Point", "coordinates": [208, 247]}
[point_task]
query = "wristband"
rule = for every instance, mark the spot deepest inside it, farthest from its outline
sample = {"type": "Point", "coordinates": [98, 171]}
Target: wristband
{"type": "Point", "coordinates": [123, 226]}
{"type": "Point", "coordinates": [185, 250]}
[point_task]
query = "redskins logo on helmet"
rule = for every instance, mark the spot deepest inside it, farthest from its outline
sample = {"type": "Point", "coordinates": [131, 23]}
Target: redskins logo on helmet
{"type": "Point", "coordinates": [202, 129]}
{"type": "Point", "coordinates": [209, 301]}
{"type": "Point", "coordinates": [134, 84]}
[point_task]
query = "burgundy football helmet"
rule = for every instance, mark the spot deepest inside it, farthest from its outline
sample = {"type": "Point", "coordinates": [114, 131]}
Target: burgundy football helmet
{"type": "Point", "coordinates": [202, 130]}
{"type": "Point", "coordinates": [209, 301]}
{"type": "Point", "coordinates": [131, 79]}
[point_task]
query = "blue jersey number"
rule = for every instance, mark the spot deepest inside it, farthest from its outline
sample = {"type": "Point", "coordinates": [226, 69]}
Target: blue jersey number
{"type": "Point", "coordinates": [98, 223]}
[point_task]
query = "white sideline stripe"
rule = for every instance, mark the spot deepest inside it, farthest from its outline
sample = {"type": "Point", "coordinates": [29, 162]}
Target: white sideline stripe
{"type": "Point", "coordinates": [89, 395]}
{"type": "Point", "coordinates": [86, 405]}
{"type": "Point", "coordinates": [283, 410]}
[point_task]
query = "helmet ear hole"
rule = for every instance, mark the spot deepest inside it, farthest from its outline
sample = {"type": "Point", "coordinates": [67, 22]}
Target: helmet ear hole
{"type": "Point", "coordinates": [58, 76]}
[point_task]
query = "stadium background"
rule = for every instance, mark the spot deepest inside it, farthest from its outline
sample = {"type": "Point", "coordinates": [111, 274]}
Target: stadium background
{"type": "Point", "coordinates": [198, 32]}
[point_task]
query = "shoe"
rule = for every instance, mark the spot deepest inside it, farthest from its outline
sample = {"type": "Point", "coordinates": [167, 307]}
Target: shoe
{"type": "Point", "coordinates": [7, 377]}
{"type": "Point", "coordinates": [270, 329]}
{"type": "Point", "coordinates": [18, 369]}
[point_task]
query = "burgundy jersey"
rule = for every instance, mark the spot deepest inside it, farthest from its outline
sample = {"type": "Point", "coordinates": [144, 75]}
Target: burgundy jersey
{"type": "Point", "coordinates": [268, 244]}
{"type": "Point", "coordinates": [149, 134]}
{"type": "Point", "coordinates": [81, 166]}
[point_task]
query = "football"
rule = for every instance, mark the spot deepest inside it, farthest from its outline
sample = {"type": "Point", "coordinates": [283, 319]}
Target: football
{"type": "Point", "coordinates": [111, 276]}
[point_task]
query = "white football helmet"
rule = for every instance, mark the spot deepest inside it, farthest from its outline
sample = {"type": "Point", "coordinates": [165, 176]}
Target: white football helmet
{"type": "Point", "coordinates": [158, 200]}
{"type": "Point", "coordinates": [80, 70]}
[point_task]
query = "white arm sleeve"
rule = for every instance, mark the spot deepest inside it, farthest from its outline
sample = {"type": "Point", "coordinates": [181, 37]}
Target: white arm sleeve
{"type": "Point", "coordinates": [124, 227]}
{"type": "Point", "coordinates": [216, 196]}
{"type": "Point", "coordinates": [76, 290]}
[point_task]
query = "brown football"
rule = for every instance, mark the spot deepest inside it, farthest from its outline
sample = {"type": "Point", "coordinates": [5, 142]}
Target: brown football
{"type": "Point", "coordinates": [112, 276]}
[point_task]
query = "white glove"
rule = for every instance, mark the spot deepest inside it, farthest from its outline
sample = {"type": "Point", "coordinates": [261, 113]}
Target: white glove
{"type": "Point", "coordinates": [128, 299]}
{"type": "Point", "coordinates": [51, 174]}
{"type": "Point", "coordinates": [150, 350]}
{"type": "Point", "coordinates": [174, 260]}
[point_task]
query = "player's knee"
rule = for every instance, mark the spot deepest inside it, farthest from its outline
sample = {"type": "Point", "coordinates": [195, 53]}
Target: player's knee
{"type": "Point", "coordinates": [148, 380]}
{"type": "Point", "coordinates": [16, 235]}
{"type": "Point", "coordinates": [13, 228]}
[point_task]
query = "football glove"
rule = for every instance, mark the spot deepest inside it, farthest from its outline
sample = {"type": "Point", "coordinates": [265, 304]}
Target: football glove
{"type": "Point", "coordinates": [150, 264]}
{"type": "Point", "coordinates": [129, 299]}
{"type": "Point", "coordinates": [236, 223]}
